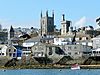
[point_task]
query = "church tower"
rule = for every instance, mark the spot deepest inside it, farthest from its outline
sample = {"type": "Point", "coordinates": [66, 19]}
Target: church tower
{"type": "Point", "coordinates": [65, 24]}
{"type": "Point", "coordinates": [11, 32]}
{"type": "Point", "coordinates": [47, 24]}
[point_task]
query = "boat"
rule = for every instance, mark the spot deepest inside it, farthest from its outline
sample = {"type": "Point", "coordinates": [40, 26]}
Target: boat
{"type": "Point", "coordinates": [4, 70]}
{"type": "Point", "coordinates": [75, 67]}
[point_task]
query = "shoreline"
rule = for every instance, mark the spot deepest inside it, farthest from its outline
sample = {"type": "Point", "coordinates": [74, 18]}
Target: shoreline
{"type": "Point", "coordinates": [50, 67]}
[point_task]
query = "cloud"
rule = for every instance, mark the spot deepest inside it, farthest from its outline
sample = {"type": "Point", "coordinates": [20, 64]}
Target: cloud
{"type": "Point", "coordinates": [81, 22]}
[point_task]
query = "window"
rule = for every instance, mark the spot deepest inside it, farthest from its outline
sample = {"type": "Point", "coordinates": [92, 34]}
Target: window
{"type": "Point", "coordinates": [69, 48]}
{"type": "Point", "coordinates": [43, 21]}
{"type": "Point", "coordinates": [50, 51]}
{"type": "Point", "coordinates": [80, 38]}
{"type": "Point", "coordinates": [29, 47]}
{"type": "Point", "coordinates": [69, 53]}
{"type": "Point", "coordinates": [9, 50]}
{"type": "Point", "coordinates": [24, 53]}
{"type": "Point", "coordinates": [2, 53]}
{"type": "Point", "coordinates": [63, 26]}
{"type": "Point", "coordinates": [75, 47]}
{"type": "Point", "coordinates": [14, 54]}
{"type": "Point", "coordinates": [14, 50]}
{"type": "Point", "coordinates": [10, 54]}
{"type": "Point", "coordinates": [94, 51]}
{"type": "Point", "coordinates": [76, 53]}
{"type": "Point", "coordinates": [86, 38]}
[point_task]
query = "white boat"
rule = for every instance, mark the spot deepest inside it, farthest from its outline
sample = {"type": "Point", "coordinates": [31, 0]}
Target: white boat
{"type": "Point", "coordinates": [4, 70]}
{"type": "Point", "coordinates": [75, 67]}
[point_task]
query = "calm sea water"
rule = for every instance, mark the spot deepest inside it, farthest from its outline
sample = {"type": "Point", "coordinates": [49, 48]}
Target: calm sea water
{"type": "Point", "coordinates": [51, 72]}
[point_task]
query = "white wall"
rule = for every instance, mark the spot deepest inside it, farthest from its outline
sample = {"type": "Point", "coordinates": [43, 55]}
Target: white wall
{"type": "Point", "coordinates": [60, 41]}
{"type": "Point", "coordinates": [3, 50]}
{"type": "Point", "coordinates": [29, 44]}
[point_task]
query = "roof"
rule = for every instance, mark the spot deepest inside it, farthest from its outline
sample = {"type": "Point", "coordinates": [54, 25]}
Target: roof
{"type": "Point", "coordinates": [18, 46]}
{"type": "Point", "coordinates": [45, 44]}
{"type": "Point", "coordinates": [1, 45]}
{"type": "Point", "coordinates": [72, 35]}
{"type": "Point", "coordinates": [34, 39]}
{"type": "Point", "coordinates": [37, 39]}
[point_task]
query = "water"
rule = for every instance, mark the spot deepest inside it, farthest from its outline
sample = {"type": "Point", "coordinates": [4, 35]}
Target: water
{"type": "Point", "coordinates": [51, 72]}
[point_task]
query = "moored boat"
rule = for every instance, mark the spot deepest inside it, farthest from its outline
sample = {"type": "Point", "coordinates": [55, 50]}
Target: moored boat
{"type": "Point", "coordinates": [75, 67]}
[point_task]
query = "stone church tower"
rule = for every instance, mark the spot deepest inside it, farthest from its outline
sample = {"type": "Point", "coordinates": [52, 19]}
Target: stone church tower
{"type": "Point", "coordinates": [47, 24]}
{"type": "Point", "coordinates": [65, 24]}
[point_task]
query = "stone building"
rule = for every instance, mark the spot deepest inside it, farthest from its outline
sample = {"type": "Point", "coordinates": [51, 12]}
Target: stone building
{"type": "Point", "coordinates": [65, 24]}
{"type": "Point", "coordinates": [50, 52]}
{"type": "Point", "coordinates": [11, 52]}
{"type": "Point", "coordinates": [76, 51]}
{"type": "Point", "coordinates": [47, 24]}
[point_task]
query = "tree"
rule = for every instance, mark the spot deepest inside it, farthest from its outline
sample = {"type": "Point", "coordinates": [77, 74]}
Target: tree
{"type": "Point", "coordinates": [98, 21]}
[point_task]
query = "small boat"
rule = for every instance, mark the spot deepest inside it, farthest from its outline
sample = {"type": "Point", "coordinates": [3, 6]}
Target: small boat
{"type": "Point", "coordinates": [75, 67]}
{"type": "Point", "coordinates": [4, 70]}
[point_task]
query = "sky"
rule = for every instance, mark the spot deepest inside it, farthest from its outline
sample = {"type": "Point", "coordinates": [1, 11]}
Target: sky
{"type": "Point", "coordinates": [26, 13]}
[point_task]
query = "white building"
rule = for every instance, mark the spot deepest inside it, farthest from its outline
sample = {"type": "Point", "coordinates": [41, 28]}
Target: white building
{"type": "Point", "coordinates": [65, 24]}
{"type": "Point", "coordinates": [96, 52]}
{"type": "Point", "coordinates": [61, 40]}
{"type": "Point", "coordinates": [26, 51]}
{"type": "Point", "coordinates": [3, 49]}
{"type": "Point", "coordinates": [96, 42]}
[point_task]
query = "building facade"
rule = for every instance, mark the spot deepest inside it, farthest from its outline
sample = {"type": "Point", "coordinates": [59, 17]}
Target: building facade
{"type": "Point", "coordinates": [77, 51]}
{"type": "Point", "coordinates": [3, 49]}
{"type": "Point", "coordinates": [11, 52]}
{"type": "Point", "coordinates": [52, 52]}
{"type": "Point", "coordinates": [47, 24]}
{"type": "Point", "coordinates": [96, 42]}
{"type": "Point", "coordinates": [65, 25]}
